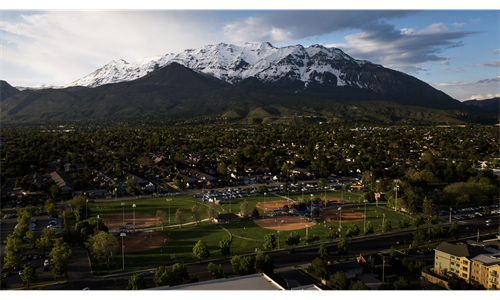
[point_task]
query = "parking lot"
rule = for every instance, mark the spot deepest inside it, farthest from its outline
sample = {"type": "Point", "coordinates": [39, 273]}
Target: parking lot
{"type": "Point", "coordinates": [31, 256]}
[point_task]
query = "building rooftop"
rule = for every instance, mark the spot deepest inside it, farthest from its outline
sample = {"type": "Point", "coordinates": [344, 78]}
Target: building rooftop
{"type": "Point", "coordinates": [254, 282]}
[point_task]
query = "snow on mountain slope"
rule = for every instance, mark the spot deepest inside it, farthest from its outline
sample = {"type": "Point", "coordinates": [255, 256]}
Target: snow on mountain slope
{"type": "Point", "coordinates": [235, 63]}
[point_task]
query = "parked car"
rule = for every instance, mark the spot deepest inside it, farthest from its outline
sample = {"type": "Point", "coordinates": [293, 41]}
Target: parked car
{"type": "Point", "coordinates": [7, 274]}
{"type": "Point", "coordinates": [489, 220]}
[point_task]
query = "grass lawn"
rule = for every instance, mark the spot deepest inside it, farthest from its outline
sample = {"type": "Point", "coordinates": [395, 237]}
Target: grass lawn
{"type": "Point", "coordinates": [246, 234]}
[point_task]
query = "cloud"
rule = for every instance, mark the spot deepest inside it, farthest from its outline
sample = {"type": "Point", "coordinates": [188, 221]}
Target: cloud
{"type": "Point", "coordinates": [476, 90]}
{"type": "Point", "coordinates": [67, 45]}
{"type": "Point", "coordinates": [401, 49]}
{"type": "Point", "coordinates": [494, 64]}
{"type": "Point", "coordinates": [458, 24]}
{"type": "Point", "coordinates": [494, 51]}
{"type": "Point", "coordinates": [482, 97]}
{"type": "Point", "coordinates": [279, 26]}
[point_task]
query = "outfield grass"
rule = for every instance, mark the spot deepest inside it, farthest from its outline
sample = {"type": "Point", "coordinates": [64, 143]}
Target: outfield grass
{"type": "Point", "coordinates": [246, 234]}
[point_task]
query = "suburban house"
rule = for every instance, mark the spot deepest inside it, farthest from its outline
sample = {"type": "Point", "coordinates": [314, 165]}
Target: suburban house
{"type": "Point", "coordinates": [226, 218]}
{"type": "Point", "coordinates": [63, 180]}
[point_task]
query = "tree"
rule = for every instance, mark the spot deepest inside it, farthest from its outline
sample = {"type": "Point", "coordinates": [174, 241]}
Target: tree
{"type": "Point", "coordinates": [339, 281]}
{"type": "Point", "coordinates": [236, 263]}
{"type": "Point", "coordinates": [387, 226]}
{"type": "Point", "coordinates": [438, 232]}
{"type": "Point", "coordinates": [103, 244]}
{"type": "Point", "coordinates": [50, 207]}
{"type": "Point", "coordinates": [216, 271]}
{"type": "Point", "coordinates": [323, 251]}
{"type": "Point", "coordinates": [420, 237]}
{"type": "Point", "coordinates": [392, 252]}
{"type": "Point", "coordinates": [434, 220]}
{"type": "Point", "coordinates": [244, 209]}
{"type": "Point", "coordinates": [402, 284]}
{"type": "Point", "coordinates": [293, 239]}
{"type": "Point", "coordinates": [342, 247]}
{"type": "Point", "coordinates": [454, 231]}
{"type": "Point", "coordinates": [370, 196]}
{"type": "Point", "coordinates": [200, 251]}
{"type": "Point", "coordinates": [55, 191]}
{"type": "Point", "coordinates": [262, 189]}
{"type": "Point", "coordinates": [268, 265]}
{"type": "Point", "coordinates": [31, 238]}
{"type": "Point", "coordinates": [225, 247]}
{"type": "Point", "coordinates": [179, 216]}
{"type": "Point", "coordinates": [180, 271]}
{"type": "Point", "coordinates": [59, 257]}
{"type": "Point", "coordinates": [369, 228]}
{"type": "Point", "coordinates": [255, 213]}
{"type": "Point", "coordinates": [360, 286]}
{"type": "Point", "coordinates": [195, 213]}
{"type": "Point", "coordinates": [259, 260]}
{"type": "Point", "coordinates": [486, 210]}
{"type": "Point", "coordinates": [81, 213]}
{"type": "Point", "coordinates": [270, 242]}
{"type": "Point", "coordinates": [13, 252]}
{"type": "Point", "coordinates": [29, 275]}
{"type": "Point", "coordinates": [247, 265]}
{"type": "Point", "coordinates": [419, 220]}
{"type": "Point", "coordinates": [428, 208]}
{"type": "Point", "coordinates": [403, 223]}
{"type": "Point", "coordinates": [352, 230]}
{"type": "Point", "coordinates": [161, 218]}
{"type": "Point", "coordinates": [386, 286]}
{"type": "Point", "coordinates": [136, 282]}
{"type": "Point", "coordinates": [212, 211]}
{"type": "Point", "coordinates": [165, 277]}
{"type": "Point", "coordinates": [317, 268]}
{"type": "Point", "coordinates": [332, 234]}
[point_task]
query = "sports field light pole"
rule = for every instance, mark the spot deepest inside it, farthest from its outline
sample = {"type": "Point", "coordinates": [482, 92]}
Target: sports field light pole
{"type": "Point", "coordinates": [97, 223]}
{"type": "Point", "coordinates": [168, 200]}
{"type": "Point", "coordinates": [123, 248]}
{"type": "Point", "coordinates": [340, 223]}
{"type": "Point", "coordinates": [133, 205]}
{"type": "Point", "coordinates": [364, 227]}
{"type": "Point", "coordinates": [86, 214]}
{"type": "Point", "coordinates": [116, 193]}
{"type": "Point", "coordinates": [377, 181]}
{"type": "Point", "coordinates": [396, 189]}
{"type": "Point", "coordinates": [123, 214]}
{"type": "Point", "coordinates": [279, 231]}
{"type": "Point", "coordinates": [265, 202]}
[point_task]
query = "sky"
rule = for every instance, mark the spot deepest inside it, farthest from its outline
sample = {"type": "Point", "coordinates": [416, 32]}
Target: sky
{"type": "Point", "coordinates": [455, 51]}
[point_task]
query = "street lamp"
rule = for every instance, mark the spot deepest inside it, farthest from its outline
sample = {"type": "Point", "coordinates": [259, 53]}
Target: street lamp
{"type": "Point", "coordinates": [265, 202]}
{"type": "Point", "coordinates": [168, 200]}
{"type": "Point", "coordinates": [116, 193]}
{"type": "Point", "coordinates": [123, 248]}
{"type": "Point", "coordinates": [97, 223]}
{"type": "Point", "coordinates": [377, 190]}
{"type": "Point", "coordinates": [86, 214]}
{"type": "Point", "coordinates": [133, 205]}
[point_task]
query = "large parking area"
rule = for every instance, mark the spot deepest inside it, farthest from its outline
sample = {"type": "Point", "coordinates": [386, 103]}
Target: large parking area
{"type": "Point", "coordinates": [471, 212]}
{"type": "Point", "coordinates": [238, 192]}
{"type": "Point", "coordinates": [31, 256]}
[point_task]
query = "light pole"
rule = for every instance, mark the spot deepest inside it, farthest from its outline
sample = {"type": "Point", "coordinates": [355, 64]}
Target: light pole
{"type": "Point", "coordinates": [133, 205]}
{"type": "Point", "coordinates": [265, 202]}
{"type": "Point", "coordinates": [86, 214]}
{"type": "Point", "coordinates": [302, 188]}
{"type": "Point", "coordinates": [123, 248]}
{"type": "Point", "coordinates": [116, 193]}
{"type": "Point", "coordinates": [97, 223]}
{"type": "Point", "coordinates": [279, 231]}
{"type": "Point", "coordinates": [340, 224]}
{"type": "Point", "coordinates": [312, 198]}
{"type": "Point", "coordinates": [123, 214]}
{"type": "Point", "coordinates": [364, 227]}
{"type": "Point", "coordinates": [377, 191]}
{"type": "Point", "coordinates": [157, 185]}
{"type": "Point", "coordinates": [396, 189]}
{"type": "Point", "coordinates": [168, 200]}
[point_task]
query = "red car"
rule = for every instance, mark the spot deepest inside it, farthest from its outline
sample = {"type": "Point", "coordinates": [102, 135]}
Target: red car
{"type": "Point", "coordinates": [7, 274]}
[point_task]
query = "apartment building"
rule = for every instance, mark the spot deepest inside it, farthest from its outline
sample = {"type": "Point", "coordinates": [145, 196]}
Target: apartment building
{"type": "Point", "coordinates": [478, 262]}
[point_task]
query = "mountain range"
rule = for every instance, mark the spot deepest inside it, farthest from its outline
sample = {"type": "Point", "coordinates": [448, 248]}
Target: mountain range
{"type": "Point", "coordinates": [252, 82]}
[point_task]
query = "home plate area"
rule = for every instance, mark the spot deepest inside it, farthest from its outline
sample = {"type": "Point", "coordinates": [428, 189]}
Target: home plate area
{"type": "Point", "coordinates": [143, 239]}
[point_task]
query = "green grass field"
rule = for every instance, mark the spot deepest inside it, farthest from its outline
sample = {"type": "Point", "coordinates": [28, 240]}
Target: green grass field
{"type": "Point", "coordinates": [246, 234]}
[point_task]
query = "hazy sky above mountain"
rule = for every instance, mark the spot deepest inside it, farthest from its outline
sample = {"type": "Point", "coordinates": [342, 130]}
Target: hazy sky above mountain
{"type": "Point", "coordinates": [456, 51]}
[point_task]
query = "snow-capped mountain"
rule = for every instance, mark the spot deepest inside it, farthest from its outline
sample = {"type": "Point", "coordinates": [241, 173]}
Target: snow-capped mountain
{"type": "Point", "coordinates": [233, 64]}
